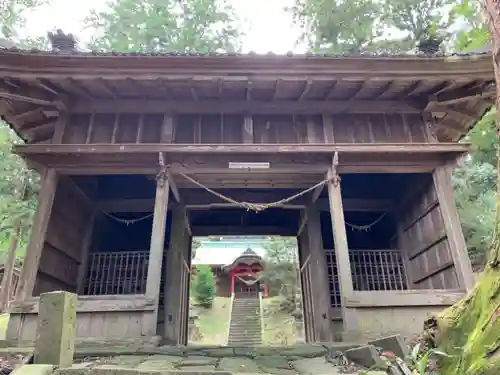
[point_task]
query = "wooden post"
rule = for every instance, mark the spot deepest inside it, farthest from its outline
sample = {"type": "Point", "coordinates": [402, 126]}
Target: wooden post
{"type": "Point", "coordinates": [248, 129]}
{"type": "Point", "coordinates": [56, 330]}
{"type": "Point", "coordinates": [173, 277]}
{"type": "Point", "coordinates": [458, 247]}
{"type": "Point", "coordinates": [38, 232]}
{"type": "Point", "coordinates": [183, 311]}
{"type": "Point", "coordinates": [349, 320]}
{"type": "Point", "coordinates": [84, 255]}
{"type": "Point", "coordinates": [320, 287]}
{"type": "Point", "coordinates": [156, 248]}
{"type": "Point", "coordinates": [60, 125]}
{"type": "Point", "coordinates": [305, 279]}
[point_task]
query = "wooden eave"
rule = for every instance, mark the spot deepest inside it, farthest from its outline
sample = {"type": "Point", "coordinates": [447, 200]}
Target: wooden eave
{"type": "Point", "coordinates": [210, 164]}
{"type": "Point", "coordinates": [36, 87]}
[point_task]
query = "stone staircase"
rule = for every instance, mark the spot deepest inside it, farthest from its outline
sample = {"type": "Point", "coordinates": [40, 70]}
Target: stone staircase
{"type": "Point", "coordinates": [246, 323]}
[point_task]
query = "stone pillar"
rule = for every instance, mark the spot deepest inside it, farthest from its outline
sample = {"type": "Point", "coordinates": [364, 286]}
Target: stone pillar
{"type": "Point", "coordinates": [56, 330]}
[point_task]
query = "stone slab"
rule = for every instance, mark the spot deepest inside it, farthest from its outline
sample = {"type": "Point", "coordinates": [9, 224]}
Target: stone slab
{"type": "Point", "coordinates": [198, 361]}
{"type": "Point", "coordinates": [278, 362]}
{"type": "Point", "coordinates": [34, 370]}
{"type": "Point", "coordinates": [365, 356]}
{"type": "Point", "coordinates": [315, 366]}
{"type": "Point", "coordinates": [159, 362]}
{"type": "Point", "coordinates": [197, 369]}
{"type": "Point", "coordinates": [304, 351]}
{"type": "Point", "coordinates": [278, 371]}
{"type": "Point", "coordinates": [238, 365]}
{"type": "Point", "coordinates": [126, 360]}
{"type": "Point", "coordinates": [394, 344]}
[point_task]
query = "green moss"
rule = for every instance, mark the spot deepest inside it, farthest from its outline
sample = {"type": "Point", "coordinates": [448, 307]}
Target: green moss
{"type": "Point", "coordinates": [4, 321]}
{"type": "Point", "coordinates": [470, 330]}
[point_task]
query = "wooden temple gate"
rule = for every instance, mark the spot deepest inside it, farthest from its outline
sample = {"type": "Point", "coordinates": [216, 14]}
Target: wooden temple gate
{"type": "Point", "coordinates": [139, 154]}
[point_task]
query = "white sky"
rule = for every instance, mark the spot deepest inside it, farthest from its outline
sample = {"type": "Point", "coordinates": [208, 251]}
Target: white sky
{"type": "Point", "coordinates": [267, 26]}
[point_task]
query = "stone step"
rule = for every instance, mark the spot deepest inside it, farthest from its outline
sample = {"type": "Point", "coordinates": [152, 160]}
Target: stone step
{"type": "Point", "coordinates": [246, 308]}
{"type": "Point", "coordinates": [248, 328]}
{"type": "Point", "coordinates": [244, 339]}
{"type": "Point", "coordinates": [247, 343]}
{"type": "Point", "coordinates": [245, 331]}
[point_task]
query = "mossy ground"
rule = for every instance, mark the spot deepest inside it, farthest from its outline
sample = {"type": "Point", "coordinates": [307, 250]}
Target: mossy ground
{"type": "Point", "coordinates": [469, 331]}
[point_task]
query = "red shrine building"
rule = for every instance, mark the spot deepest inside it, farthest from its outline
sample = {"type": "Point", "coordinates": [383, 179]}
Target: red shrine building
{"type": "Point", "coordinates": [237, 271]}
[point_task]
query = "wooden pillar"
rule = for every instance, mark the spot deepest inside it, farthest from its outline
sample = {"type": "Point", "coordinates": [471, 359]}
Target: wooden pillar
{"type": "Point", "coordinates": [174, 276]}
{"type": "Point", "coordinates": [458, 247]}
{"type": "Point", "coordinates": [156, 250]}
{"type": "Point", "coordinates": [320, 285]}
{"type": "Point", "coordinates": [48, 185]}
{"type": "Point", "coordinates": [305, 281]}
{"type": "Point", "coordinates": [84, 256]}
{"type": "Point", "coordinates": [183, 311]}
{"type": "Point", "coordinates": [349, 320]}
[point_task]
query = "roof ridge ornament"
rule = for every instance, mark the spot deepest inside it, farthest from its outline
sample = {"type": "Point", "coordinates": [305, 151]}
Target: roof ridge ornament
{"type": "Point", "coordinates": [61, 42]}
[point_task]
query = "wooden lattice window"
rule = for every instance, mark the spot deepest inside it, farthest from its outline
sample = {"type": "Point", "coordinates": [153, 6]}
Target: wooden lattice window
{"type": "Point", "coordinates": [372, 270]}
{"type": "Point", "coordinates": [117, 273]}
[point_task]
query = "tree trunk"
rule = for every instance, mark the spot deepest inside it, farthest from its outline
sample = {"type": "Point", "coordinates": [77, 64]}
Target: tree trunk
{"type": "Point", "coordinates": [469, 331]}
{"type": "Point", "coordinates": [9, 265]}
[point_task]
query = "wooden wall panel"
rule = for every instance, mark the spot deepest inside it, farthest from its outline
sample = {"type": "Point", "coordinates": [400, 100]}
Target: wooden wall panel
{"type": "Point", "coordinates": [62, 250]}
{"type": "Point", "coordinates": [229, 129]}
{"type": "Point", "coordinates": [424, 241]}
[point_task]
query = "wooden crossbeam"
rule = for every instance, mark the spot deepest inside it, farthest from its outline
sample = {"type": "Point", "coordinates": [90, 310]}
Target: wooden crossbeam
{"type": "Point", "coordinates": [243, 106]}
{"type": "Point", "coordinates": [373, 148]}
{"type": "Point", "coordinates": [197, 201]}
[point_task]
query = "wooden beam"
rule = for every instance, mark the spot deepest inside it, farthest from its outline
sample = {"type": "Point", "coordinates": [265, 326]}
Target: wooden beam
{"type": "Point", "coordinates": [349, 317]}
{"type": "Point", "coordinates": [458, 247]}
{"type": "Point", "coordinates": [306, 89]}
{"type": "Point", "coordinates": [248, 130]}
{"type": "Point", "coordinates": [242, 106]}
{"type": "Point", "coordinates": [404, 298]}
{"type": "Point", "coordinates": [452, 95]}
{"type": "Point", "coordinates": [302, 224]}
{"type": "Point", "coordinates": [458, 115]}
{"type": "Point", "coordinates": [38, 233]}
{"type": "Point", "coordinates": [320, 287]}
{"type": "Point", "coordinates": [212, 202]}
{"type": "Point", "coordinates": [156, 251]}
{"type": "Point", "coordinates": [227, 230]}
{"type": "Point", "coordinates": [91, 304]}
{"type": "Point", "coordinates": [26, 99]}
{"type": "Point", "coordinates": [375, 148]}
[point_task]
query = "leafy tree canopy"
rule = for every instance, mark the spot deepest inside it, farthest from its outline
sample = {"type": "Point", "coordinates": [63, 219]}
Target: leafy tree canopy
{"type": "Point", "coordinates": [166, 25]}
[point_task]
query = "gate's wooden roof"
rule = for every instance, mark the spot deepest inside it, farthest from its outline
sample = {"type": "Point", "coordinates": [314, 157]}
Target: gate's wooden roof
{"type": "Point", "coordinates": [457, 89]}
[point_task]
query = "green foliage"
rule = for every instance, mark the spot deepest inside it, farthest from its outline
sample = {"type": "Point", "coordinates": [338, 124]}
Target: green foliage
{"type": "Point", "coordinates": [18, 191]}
{"type": "Point", "coordinates": [475, 33]}
{"type": "Point", "coordinates": [281, 270]}
{"type": "Point", "coordinates": [203, 286]}
{"type": "Point", "coordinates": [336, 25]}
{"type": "Point", "coordinates": [342, 26]}
{"type": "Point", "coordinates": [12, 15]}
{"type": "Point", "coordinates": [165, 25]}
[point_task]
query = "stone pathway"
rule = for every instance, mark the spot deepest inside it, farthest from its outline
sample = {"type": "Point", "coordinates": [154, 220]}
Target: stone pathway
{"type": "Point", "coordinates": [305, 359]}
